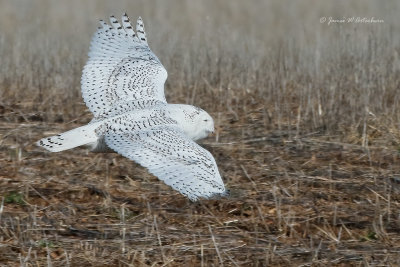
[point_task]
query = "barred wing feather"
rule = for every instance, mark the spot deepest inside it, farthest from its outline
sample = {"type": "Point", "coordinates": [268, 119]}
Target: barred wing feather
{"type": "Point", "coordinates": [168, 154]}
{"type": "Point", "coordinates": [121, 68]}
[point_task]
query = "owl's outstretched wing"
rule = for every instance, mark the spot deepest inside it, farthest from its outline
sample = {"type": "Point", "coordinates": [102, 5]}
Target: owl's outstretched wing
{"type": "Point", "coordinates": [168, 154]}
{"type": "Point", "coordinates": [121, 68]}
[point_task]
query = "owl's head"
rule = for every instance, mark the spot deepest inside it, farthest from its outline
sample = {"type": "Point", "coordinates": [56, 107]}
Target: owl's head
{"type": "Point", "coordinates": [204, 124]}
{"type": "Point", "coordinates": [195, 122]}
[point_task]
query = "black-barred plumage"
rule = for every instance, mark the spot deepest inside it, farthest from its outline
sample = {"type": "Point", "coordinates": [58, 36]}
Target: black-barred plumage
{"type": "Point", "coordinates": [123, 86]}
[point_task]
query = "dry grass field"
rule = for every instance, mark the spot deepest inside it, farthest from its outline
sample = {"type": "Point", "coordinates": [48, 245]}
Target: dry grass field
{"type": "Point", "coordinates": [308, 137]}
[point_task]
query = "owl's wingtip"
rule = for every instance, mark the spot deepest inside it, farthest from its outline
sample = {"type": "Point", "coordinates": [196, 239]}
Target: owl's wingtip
{"type": "Point", "coordinates": [226, 193]}
{"type": "Point", "coordinates": [223, 194]}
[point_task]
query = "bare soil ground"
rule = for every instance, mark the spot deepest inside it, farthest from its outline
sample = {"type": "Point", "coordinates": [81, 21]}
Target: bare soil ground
{"type": "Point", "coordinates": [308, 140]}
{"type": "Point", "coordinates": [294, 200]}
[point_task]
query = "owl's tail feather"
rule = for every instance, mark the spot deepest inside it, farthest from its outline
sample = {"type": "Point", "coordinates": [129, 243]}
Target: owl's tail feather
{"type": "Point", "coordinates": [76, 137]}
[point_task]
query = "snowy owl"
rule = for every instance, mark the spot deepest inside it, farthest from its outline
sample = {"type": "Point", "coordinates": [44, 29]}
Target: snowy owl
{"type": "Point", "coordinates": [123, 86]}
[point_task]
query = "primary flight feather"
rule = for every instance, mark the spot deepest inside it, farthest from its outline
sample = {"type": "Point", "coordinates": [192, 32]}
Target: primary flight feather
{"type": "Point", "coordinates": [123, 86]}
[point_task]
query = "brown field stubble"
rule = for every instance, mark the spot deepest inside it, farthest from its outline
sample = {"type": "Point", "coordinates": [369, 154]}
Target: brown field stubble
{"type": "Point", "coordinates": [307, 118]}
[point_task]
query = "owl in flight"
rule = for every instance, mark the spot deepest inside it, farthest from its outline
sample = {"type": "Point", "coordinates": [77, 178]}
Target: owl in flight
{"type": "Point", "coordinates": [123, 86]}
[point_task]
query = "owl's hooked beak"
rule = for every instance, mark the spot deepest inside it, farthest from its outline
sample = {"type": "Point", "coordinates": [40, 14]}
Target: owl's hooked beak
{"type": "Point", "coordinates": [211, 132]}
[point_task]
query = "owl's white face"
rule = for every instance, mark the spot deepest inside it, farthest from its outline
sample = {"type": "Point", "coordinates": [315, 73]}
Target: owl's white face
{"type": "Point", "coordinates": [195, 122]}
{"type": "Point", "coordinates": [204, 124]}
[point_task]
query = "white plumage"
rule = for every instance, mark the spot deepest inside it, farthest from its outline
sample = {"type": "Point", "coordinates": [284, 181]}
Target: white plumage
{"type": "Point", "coordinates": [123, 85]}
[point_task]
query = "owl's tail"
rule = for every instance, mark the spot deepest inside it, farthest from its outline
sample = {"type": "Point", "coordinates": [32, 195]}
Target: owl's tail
{"type": "Point", "coordinates": [76, 137]}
